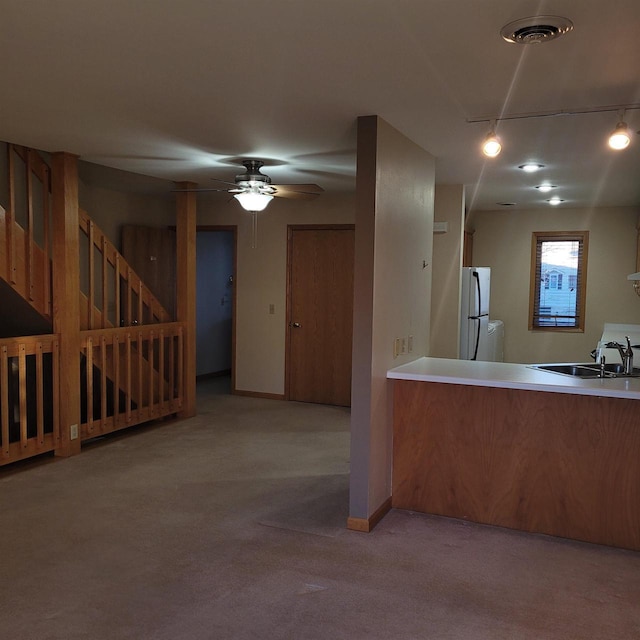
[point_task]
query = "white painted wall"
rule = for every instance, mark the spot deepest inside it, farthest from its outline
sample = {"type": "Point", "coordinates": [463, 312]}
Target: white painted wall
{"type": "Point", "coordinates": [111, 209]}
{"type": "Point", "coordinates": [447, 263]}
{"type": "Point", "coordinates": [502, 241]}
{"type": "Point", "coordinates": [394, 237]}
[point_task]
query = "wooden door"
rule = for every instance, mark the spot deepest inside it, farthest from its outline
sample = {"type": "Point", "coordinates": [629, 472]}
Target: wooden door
{"type": "Point", "coordinates": [151, 252]}
{"type": "Point", "coordinates": [320, 314]}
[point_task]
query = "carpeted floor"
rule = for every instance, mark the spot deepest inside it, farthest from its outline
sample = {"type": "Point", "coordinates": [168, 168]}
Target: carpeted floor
{"type": "Point", "coordinates": [231, 525]}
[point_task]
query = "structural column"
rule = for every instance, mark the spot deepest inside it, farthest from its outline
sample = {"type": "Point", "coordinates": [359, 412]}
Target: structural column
{"type": "Point", "coordinates": [186, 289]}
{"type": "Point", "coordinates": [66, 296]}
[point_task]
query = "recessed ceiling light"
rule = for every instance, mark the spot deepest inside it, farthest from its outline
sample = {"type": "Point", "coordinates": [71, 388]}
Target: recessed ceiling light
{"type": "Point", "coordinates": [531, 167]}
{"type": "Point", "coordinates": [544, 188]}
{"type": "Point", "coordinates": [555, 201]}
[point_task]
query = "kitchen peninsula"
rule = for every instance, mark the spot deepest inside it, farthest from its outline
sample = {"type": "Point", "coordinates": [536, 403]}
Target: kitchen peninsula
{"type": "Point", "coordinates": [503, 444]}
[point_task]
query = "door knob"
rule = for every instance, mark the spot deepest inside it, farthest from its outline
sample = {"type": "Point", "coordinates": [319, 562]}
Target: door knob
{"type": "Point", "coordinates": [295, 325]}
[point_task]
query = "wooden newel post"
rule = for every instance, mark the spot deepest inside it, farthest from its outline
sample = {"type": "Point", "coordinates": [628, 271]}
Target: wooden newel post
{"type": "Point", "coordinates": [186, 289]}
{"type": "Point", "coordinates": [66, 296]}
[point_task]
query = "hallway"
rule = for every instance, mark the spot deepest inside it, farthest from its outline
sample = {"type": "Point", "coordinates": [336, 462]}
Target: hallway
{"type": "Point", "coordinates": [231, 525]}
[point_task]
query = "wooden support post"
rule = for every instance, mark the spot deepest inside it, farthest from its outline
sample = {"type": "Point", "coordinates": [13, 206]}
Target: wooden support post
{"type": "Point", "coordinates": [186, 289]}
{"type": "Point", "coordinates": [66, 296]}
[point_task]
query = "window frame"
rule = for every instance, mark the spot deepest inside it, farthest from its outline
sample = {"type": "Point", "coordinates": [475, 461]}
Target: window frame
{"type": "Point", "coordinates": [537, 238]}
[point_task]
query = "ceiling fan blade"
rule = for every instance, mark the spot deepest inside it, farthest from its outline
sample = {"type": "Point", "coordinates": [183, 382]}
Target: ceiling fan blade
{"type": "Point", "coordinates": [297, 191]}
{"type": "Point", "coordinates": [295, 195]}
{"type": "Point", "coordinates": [305, 188]}
{"type": "Point", "coordinates": [232, 184]}
{"type": "Point", "coordinates": [195, 190]}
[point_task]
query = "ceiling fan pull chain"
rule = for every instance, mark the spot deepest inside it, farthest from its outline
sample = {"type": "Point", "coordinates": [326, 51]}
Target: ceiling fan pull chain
{"type": "Point", "coordinates": [254, 229]}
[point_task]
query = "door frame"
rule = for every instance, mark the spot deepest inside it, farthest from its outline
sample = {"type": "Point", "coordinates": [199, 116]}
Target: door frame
{"type": "Point", "coordinates": [290, 229]}
{"type": "Point", "coordinates": [233, 228]}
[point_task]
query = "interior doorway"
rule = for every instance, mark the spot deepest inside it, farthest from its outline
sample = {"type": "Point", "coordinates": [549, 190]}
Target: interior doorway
{"type": "Point", "coordinates": [319, 313]}
{"type": "Point", "coordinates": [215, 301]}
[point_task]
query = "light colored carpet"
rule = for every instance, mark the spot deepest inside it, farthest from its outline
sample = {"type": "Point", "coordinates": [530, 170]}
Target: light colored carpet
{"type": "Point", "coordinates": [231, 525]}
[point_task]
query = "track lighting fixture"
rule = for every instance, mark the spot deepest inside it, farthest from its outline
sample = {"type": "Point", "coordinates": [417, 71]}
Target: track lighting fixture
{"type": "Point", "coordinates": [620, 138]}
{"type": "Point", "coordinates": [491, 146]}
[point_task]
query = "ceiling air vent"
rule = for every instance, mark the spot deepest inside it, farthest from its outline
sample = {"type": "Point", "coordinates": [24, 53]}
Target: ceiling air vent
{"type": "Point", "coordinates": [536, 29]}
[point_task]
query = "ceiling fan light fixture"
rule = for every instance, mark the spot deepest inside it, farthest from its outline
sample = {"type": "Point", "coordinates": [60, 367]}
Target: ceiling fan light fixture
{"type": "Point", "coordinates": [253, 200]}
{"type": "Point", "coordinates": [621, 137]}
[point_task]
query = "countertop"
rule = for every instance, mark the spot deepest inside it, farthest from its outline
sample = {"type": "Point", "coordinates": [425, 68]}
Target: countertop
{"type": "Point", "coordinates": [508, 375]}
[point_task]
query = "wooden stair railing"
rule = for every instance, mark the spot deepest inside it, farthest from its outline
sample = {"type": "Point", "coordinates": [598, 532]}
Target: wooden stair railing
{"type": "Point", "coordinates": [29, 390]}
{"type": "Point", "coordinates": [25, 243]}
{"type": "Point", "coordinates": [132, 373]}
{"type": "Point", "coordinates": [114, 294]}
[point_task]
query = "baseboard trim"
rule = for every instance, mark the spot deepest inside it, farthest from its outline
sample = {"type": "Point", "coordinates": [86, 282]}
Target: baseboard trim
{"type": "Point", "coordinates": [258, 394]}
{"type": "Point", "coordinates": [366, 525]}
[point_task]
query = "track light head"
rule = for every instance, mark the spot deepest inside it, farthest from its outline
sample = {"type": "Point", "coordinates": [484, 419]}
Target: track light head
{"type": "Point", "coordinates": [491, 146]}
{"type": "Point", "coordinates": [620, 138]}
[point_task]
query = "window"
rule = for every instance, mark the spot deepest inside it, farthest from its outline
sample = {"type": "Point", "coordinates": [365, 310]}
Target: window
{"type": "Point", "coordinates": [558, 280]}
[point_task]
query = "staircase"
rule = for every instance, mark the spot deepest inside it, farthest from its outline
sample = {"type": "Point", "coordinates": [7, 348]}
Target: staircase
{"type": "Point", "coordinates": [130, 358]}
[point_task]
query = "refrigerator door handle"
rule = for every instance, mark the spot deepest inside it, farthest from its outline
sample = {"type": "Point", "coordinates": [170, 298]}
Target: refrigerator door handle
{"type": "Point", "coordinates": [475, 351]}
{"type": "Point", "coordinates": [479, 312]}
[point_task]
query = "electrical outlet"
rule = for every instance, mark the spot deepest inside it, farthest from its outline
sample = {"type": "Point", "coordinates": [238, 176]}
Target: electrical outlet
{"type": "Point", "coordinates": [403, 345]}
{"type": "Point", "coordinates": [73, 431]}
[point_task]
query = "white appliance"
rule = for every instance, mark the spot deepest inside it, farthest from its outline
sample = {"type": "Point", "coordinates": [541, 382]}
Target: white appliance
{"type": "Point", "coordinates": [474, 313]}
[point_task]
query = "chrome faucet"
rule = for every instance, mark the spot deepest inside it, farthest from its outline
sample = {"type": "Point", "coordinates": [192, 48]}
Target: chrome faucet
{"type": "Point", "coordinates": [626, 354]}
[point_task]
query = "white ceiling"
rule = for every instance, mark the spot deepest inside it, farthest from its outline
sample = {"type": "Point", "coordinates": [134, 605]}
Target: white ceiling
{"type": "Point", "coordinates": [182, 89]}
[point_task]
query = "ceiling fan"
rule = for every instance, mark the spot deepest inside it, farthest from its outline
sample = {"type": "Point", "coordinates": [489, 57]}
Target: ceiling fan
{"type": "Point", "coordinates": [254, 190]}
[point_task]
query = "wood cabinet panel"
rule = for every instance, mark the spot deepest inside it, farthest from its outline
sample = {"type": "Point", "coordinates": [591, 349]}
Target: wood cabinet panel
{"type": "Point", "coordinates": [560, 464]}
{"type": "Point", "coordinates": [151, 252]}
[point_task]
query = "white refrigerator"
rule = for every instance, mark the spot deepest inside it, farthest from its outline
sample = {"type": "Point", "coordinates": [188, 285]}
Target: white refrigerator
{"type": "Point", "coordinates": [474, 313]}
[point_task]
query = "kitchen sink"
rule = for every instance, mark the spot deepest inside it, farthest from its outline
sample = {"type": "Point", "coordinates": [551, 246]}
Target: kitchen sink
{"type": "Point", "coordinates": [588, 370]}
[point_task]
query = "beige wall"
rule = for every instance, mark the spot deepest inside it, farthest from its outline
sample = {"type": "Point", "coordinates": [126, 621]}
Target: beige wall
{"type": "Point", "coordinates": [394, 236]}
{"type": "Point", "coordinates": [261, 279]}
{"type": "Point", "coordinates": [111, 209]}
{"type": "Point", "coordinates": [502, 241]}
{"type": "Point", "coordinates": [447, 262]}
